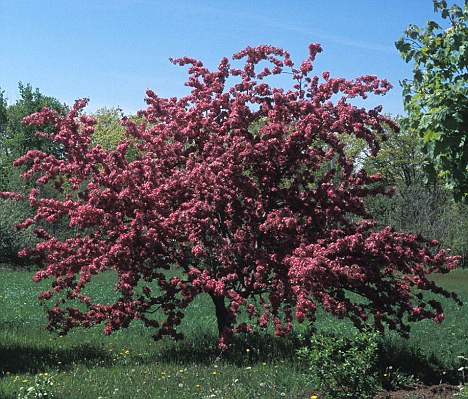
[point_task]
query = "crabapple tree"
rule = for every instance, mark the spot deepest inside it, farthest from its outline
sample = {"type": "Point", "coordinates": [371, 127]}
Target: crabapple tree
{"type": "Point", "coordinates": [242, 193]}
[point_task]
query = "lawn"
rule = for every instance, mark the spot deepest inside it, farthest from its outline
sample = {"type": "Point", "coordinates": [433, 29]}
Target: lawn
{"type": "Point", "coordinates": [129, 364]}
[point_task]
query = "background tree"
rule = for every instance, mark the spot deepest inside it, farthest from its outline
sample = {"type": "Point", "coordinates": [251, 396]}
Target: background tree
{"type": "Point", "coordinates": [436, 99]}
{"type": "Point", "coordinates": [16, 138]}
{"type": "Point", "coordinates": [3, 113]}
{"type": "Point", "coordinates": [3, 128]}
{"type": "Point", "coordinates": [108, 131]}
{"type": "Point", "coordinates": [244, 194]}
{"type": "Point", "coordinates": [417, 206]}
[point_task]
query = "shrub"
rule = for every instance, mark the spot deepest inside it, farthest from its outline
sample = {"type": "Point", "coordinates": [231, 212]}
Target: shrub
{"type": "Point", "coordinates": [343, 367]}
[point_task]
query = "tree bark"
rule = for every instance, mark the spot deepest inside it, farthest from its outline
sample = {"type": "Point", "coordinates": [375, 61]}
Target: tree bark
{"type": "Point", "coordinates": [221, 313]}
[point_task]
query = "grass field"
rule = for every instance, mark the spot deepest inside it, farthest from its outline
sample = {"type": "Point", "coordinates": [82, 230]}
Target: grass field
{"type": "Point", "coordinates": [129, 364]}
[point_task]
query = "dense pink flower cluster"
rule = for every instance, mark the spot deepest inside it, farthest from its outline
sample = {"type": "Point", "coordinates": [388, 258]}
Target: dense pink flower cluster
{"type": "Point", "coordinates": [243, 193]}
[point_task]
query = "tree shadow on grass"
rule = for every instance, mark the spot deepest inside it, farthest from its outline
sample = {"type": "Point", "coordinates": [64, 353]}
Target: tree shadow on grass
{"type": "Point", "coordinates": [244, 349]}
{"type": "Point", "coordinates": [17, 359]}
{"type": "Point", "coordinates": [411, 360]}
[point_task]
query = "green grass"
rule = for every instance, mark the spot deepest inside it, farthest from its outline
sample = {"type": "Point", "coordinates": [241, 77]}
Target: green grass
{"type": "Point", "coordinates": [129, 364]}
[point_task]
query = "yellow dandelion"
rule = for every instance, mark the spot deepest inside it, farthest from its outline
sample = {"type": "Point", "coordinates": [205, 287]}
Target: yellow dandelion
{"type": "Point", "coordinates": [247, 350]}
{"type": "Point", "coordinates": [214, 373]}
{"type": "Point", "coordinates": [197, 386]}
{"type": "Point", "coordinates": [314, 397]}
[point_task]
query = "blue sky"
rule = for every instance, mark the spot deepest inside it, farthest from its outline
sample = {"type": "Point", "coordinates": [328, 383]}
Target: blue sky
{"type": "Point", "coordinates": [111, 51]}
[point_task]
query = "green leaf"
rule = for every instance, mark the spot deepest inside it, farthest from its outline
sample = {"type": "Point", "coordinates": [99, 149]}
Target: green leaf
{"type": "Point", "coordinates": [433, 25]}
{"type": "Point", "coordinates": [431, 135]}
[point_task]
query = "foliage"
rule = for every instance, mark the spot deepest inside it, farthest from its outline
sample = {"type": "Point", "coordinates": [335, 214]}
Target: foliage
{"type": "Point", "coordinates": [344, 367]}
{"type": "Point", "coordinates": [428, 211]}
{"type": "Point", "coordinates": [437, 97]}
{"type": "Point", "coordinates": [247, 191]}
{"type": "Point", "coordinates": [463, 370]}
{"type": "Point", "coordinates": [3, 125]}
{"type": "Point", "coordinates": [39, 389]}
{"type": "Point", "coordinates": [399, 159]}
{"type": "Point", "coordinates": [394, 380]}
{"type": "Point", "coordinates": [108, 131]}
{"type": "Point", "coordinates": [3, 114]}
{"type": "Point", "coordinates": [17, 138]}
{"type": "Point", "coordinates": [463, 392]}
{"type": "Point", "coordinates": [12, 241]}
{"type": "Point", "coordinates": [421, 208]}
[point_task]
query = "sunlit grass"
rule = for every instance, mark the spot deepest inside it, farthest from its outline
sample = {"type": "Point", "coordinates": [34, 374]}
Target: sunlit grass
{"type": "Point", "coordinates": [129, 364]}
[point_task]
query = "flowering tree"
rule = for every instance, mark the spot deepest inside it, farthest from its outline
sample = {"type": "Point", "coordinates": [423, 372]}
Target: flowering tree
{"type": "Point", "coordinates": [245, 194]}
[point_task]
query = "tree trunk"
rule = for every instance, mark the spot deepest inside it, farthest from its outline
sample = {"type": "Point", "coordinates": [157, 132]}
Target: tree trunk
{"type": "Point", "coordinates": [221, 313]}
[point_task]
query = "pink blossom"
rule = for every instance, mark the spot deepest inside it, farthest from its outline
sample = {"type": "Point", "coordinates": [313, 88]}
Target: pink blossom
{"type": "Point", "coordinates": [232, 188]}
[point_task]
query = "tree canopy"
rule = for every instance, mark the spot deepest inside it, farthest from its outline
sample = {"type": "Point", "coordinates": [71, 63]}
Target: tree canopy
{"type": "Point", "coordinates": [108, 131]}
{"type": "Point", "coordinates": [243, 193]}
{"type": "Point", "coordinates": [16, 137]}
{"type": "Point", "coordinates": [436, 99]}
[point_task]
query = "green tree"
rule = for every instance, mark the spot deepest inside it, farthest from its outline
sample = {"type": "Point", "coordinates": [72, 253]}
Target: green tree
{"type": "Point", "coordinates": [3, 114]}
{"type": "Point", "coordinates": [3, 126]}
{"type": "Point", "coordinates": [108, 131]}
{"type": "Point", "coordinates": [436, 99]}
{"type": "Point", "coordinates": [17, 138]}
{"type": "Point", "coordinates": [399, 159]}
{"type": "Point", "coordinates": [417, 207]}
